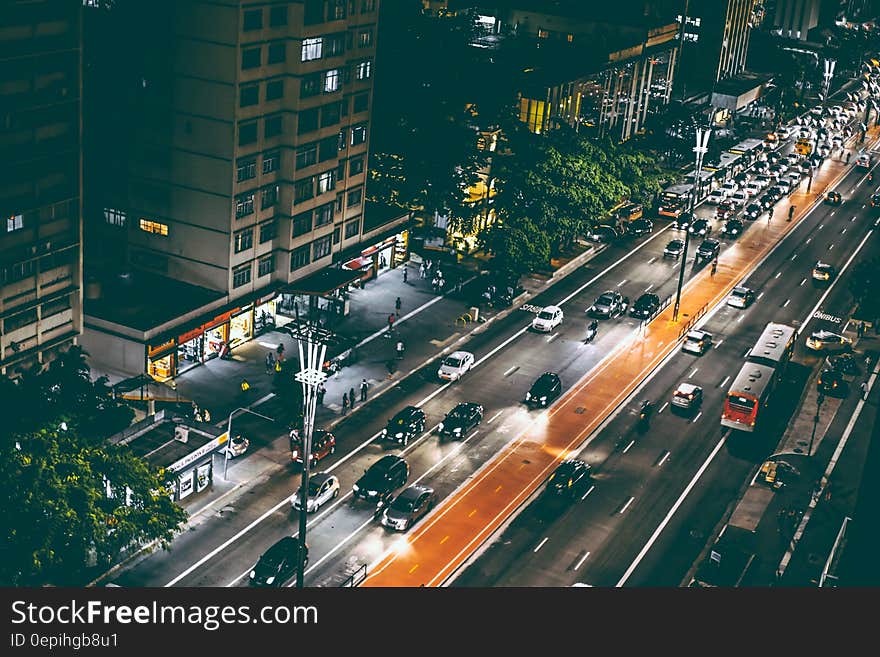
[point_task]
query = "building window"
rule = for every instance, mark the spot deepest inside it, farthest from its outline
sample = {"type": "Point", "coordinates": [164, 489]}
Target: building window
{"type": "Point", "coordinates": [355, 196]}
{"type": "Point", "coordinates": [340, 171]}
{"type": "Point", "coordinates": [313, 12]}
{"type": "Point", "coordinates": [306, 155]}
{"type": "Point", "coordinates": [337, 231]}
{"type": "Point", "coordinates": [329, 149]}
{"type": "Point", "coordinates": [365, 39]}
{"type": "Point", "coordinates": [368, 6]}
{"type": "Point", "coordinates": [271, 161]}
{"type": "Point", "coordinates": [248, 96]}
{"type": "Point", "coordinates": [364, 69]}
{"type": "Point", "coordinates": [267, 232]}
{"type": "Point", "coordinates": [352, 228]}
{"type": "Point", "coordinates": [299, 258]}
{"type": "Point", "coordinates": [311, 49]}
{"type": "Point", "coordinates": [355, 166]}
{"type": "Point", "coordinates": [278, 16]}
{"type": "Point", "coordinates": [302, 223]}
{"type": "Point", "coordinates": [330, 114]}
{"type": "Point", "coordinates": [154, 227]}
{"type": "Point", "coordinates": [16, 322]}
{"type": "Point", "coordinates": [245, 170]}
{"type": "Point", "coordinates": [244, 205]}
{"type": "Point", "coordinates": [247, 133]}
{"type": "Point", "coordinates": [253, 20]}
{"type": "Point", "coordinates": [114, 217]}
{"type": "Point", "coordinates": [277, 52]}
{"type": "Point", "coordinates": [54, 307]}
{"type": "Point", "coordinates": [268, 196]}
{"type": "Point", "coordinates": [340, 198]}
{"type": "Point", "coordinates": [14, 222]}
{"type": "Point", "coordinates": [324, 214]}
{"type": "Point", "coordinates": [331, 80]}
{"type": "Point", "coordinates": [307, 121]}
{"type": "Point", "coordinates": [244, 240]}
{"type": "Point", "coordinates": [321, 247]}
{"type": "Point", "coordinates": [335, 45]}
{"type": "Point", "coordinates": [326, 181]}
{"type": "Point", "coordinates": [303, 189]}
{"type": "Point", "coordinates": [241, 276]}
{"type": "Point", "coordinates": [274, 89]}
{"type": "Point", "coordinates": [272, 126]}
{"type": "Point", "coordinates": [358, 134]}
{"type": "Point", "coordinates": [251, 58]}
{"type": "Point", "coordinates": [361, 102]}
{"type": "Point", "coordinates": [266, 265]}
{"type": "Point", "coordinates": [310, 85]}
{"type": "Point", "coordinates": [341, 144]}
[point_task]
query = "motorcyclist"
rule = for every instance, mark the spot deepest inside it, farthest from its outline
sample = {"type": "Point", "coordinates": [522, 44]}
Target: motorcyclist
{"type": "Point", "coordinates": [592, 329]}
{"type": "Point", "coordinates": [645, 413]}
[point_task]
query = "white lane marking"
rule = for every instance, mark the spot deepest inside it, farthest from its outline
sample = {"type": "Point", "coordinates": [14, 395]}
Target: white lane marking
{"type": "Point", "coordinates": [718, 344]}
{"type": "Point", "coordinates": [746, 352]}
{"type": "Point", "coordinates": [588, 492]}
{"type": "Point", "coordinates": [581, 562]}
{"type": "Point", "coordinates": [665, 404]}
{"type": "Point", "coordinates": [626, 506]}
{"type": "Point", "coordinates": [622, 282]}
{"type": "Point", "coordinates": [802, 282]}
{"type": "Point", "coordinates": [794, 256]}
{"type": "Point", "coordinates": [821, 226]}
{"type": "Point", "coordinates": [647, 289]}
{"type": "Point", "coordinates": [552, 337]}
{"type": "Point", "coordinates": [809, 239]}
{"type": "Point", "coordinates": [762, 294]}
{"type": "Point", "coordinates": [697, 417]}
{"type": "Point", "coordinates": [787, 301]}
{"type": "Point", "coordinates": [495, 417]}
{"type": "Point", "coordinates": [511, 370]}
{"type": "Point", "coordinates": [541, 544]}
{"type": "Point", "coordinates": [664, 457]}
{"type": "Point", "coordinates": [694, 372]}
{"type": "Point", "coordinates": [830, 246]}
{"type": "Point", "coordinates": [726, 379]}
{"type": "Point", "coordinates": [631, 443]}
{"type": "Point", "coordinates": [740, 318]}
{"type": "Point", "coordinates": [665, 521]}
{"type": "Point", "coordinates": [778, 274]}
{"type": "Point", "coordinates": [652, 260]}
{"type": "Point", "coordinates": [853, 219]}
{"type": "Point", "coordinates": [843, 231]}
{"type": "Point", "coordinates": [832, 213]}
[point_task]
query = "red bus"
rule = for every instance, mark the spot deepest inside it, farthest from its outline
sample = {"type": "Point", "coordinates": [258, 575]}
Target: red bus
{"type": "Point", "coordinates": [753, 386]}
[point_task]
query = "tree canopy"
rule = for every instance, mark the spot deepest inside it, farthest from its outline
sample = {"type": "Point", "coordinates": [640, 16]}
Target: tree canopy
{"type": "Point", "coordinates": [72, 499]}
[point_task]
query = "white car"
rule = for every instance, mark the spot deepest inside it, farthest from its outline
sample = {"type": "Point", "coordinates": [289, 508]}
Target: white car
{"type": "Point", "coordinates": [729, 188]}
{"type": "Point", "coordinates": [455, 365]}
{"type": "Point", "coordinates": [323, 487]}
{"type": "Point", "coordinates": [741, 297]}
{"type": "Point", "coordinates": [783, 132]}
{"type": "Point", "coordinates": [739, 198]}
{"type": "Point", "coordinates": [548, 319]}
{"type": "Point", "coordinates": [753, 188]}
{"type": "Point", "coordinates": [697, 342]}
{"type": "Point", "coordinates": [716, 196]}
{"type": "Point", "coordinates": [237, 446]}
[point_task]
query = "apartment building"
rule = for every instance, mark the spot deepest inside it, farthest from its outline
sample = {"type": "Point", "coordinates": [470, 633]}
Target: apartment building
{"type": "Point", "coordinates": [40, 183]}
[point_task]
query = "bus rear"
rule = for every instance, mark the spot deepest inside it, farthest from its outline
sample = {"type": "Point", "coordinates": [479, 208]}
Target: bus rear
{"type": "Point", "coordinates": [747, 394]}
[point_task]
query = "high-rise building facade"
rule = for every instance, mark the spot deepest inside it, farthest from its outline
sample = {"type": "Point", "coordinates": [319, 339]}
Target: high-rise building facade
{"type": "Point", "coordinates": [237, 167]}
{"type": "Point", "coordinates": [795, 18]}
{"type": "Point", "coordinates": [40, 242]}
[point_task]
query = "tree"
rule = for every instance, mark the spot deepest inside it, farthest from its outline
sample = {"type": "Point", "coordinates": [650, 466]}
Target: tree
{"type": "Point", "coordinates": [863, 282]}
{"type": "Point", "coordinates": [72, 499]}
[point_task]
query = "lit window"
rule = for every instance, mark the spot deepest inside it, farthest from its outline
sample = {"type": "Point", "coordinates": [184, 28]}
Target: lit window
{"type": "Point", "coordinates": [245, 170]}
{"type": "Point", "coordinates": [331, 80]}
{"type": "Point", "coordinates": [244, 240]}
{"type": "Point", "coordinates": [358, 134]}
{"type": "Point", "coordinates": [364, 69]}
{"type": "Point", "coordinates": [14, 222]}
{"type": "Point", "coordinates": [311, 49]}
{"type": "Point", "coordinates": [114, 217]}
{"type": "Point", "coordinates": [153, 227]}
{"type": "Point", "coordinates": [326, 181]}
{"type": "Point", "coordinates": [365, 39]}
{"type": "Point", "coordinates": [244, 205]}
{"type": "Point", "coordinates": [270, 161]}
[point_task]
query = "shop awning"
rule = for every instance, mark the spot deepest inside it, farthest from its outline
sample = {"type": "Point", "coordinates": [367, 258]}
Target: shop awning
{"type": "Point", "coordinates": [324, 281]}
{"type": "Point", "coordinates": [358, 263]}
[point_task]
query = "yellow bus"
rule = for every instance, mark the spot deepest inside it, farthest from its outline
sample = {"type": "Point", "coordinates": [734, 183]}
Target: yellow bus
{"type": "Point", "coordinates": [804, 146]}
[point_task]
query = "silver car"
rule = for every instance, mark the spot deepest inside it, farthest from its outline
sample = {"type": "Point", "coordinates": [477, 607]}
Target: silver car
{"type": "Point", "coordinates": [237, 446]}
{"type": "Point", "coordinates": [323, 487]}
{"type": "Point", "coordinates": [408, 507]}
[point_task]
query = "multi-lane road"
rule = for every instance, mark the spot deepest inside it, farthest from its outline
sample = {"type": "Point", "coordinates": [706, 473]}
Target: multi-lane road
{"type": "Point", "coordinates": [636, 484]}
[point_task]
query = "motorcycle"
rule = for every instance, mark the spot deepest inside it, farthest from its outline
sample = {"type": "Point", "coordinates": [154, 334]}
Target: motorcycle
{"type": "Point", "coordinates": [645, 415]}
{"type": "Point", "coordinates": [592, 329]}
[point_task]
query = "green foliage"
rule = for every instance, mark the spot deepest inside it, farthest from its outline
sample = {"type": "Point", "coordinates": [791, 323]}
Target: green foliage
{"type": "Point", "coordinates": [59, 519]}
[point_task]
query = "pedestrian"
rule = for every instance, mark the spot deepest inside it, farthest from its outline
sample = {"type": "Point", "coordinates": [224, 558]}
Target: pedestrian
{"type": "Point", "coordinates": [320, 394]}
{"type": "Point", "coordinates": [270, 363]}
{"type": "Point", "coordinates": [860, 329]}
{"type": "Point", "coordinates": [714, 266]}
{"type": "Point", "coordinates": [364, 386]}
{"type": "Point", "coordinates": [351, 396]}
{"type": "Point", "coordinates": [195, 409]}
{"type": "Point", "coordinates": [847, 157]}
{"type": "Point", "coordinates": [344, 402]}
{"type": "Point", "coordinates": [245, 386]}
{"type": "Point", "coordinates": [405, 269]}
{"type": "Point", "coordinates": [198, 417]}
{"type": "Point", "coordinates": [397, 305]}
{"type": "Point", "coordinates": [864, 387]}
{"type": "Point", "coordinates": [391, 322]}
{"type": "Point", "coordinates": [828, 491]}
{"type": "Point", "coordinates": [277, 365]}
{"type": "Point", "coordinates": [207, 415]}
{"type": "Point", "coordinates": [434, 284]}
{"type": "Point", "coordinates": [400, 349]}
{"type": "Point", "coordinates": [440, 283]}
{"type": "Point", "coordinates": [279, 350]}
{"type": "Point", "coordinates": [391, 366]}
{"type": "Point", "coordinates": [422, 269]}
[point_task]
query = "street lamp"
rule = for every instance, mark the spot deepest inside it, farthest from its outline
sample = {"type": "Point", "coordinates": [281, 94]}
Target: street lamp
{"type": "Point", "coordinates": [312, 341]}
{"type": "Point", "coordinates": [229, 433]}
{"type": "Point", "coordinates": [700, 150]}
{"type": "Point", "coordinates": [819, 401]}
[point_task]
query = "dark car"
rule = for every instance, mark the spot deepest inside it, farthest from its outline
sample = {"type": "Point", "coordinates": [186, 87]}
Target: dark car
{"type": "Point", "coordinates": [875, 200]}
{"type": "Point", "coordinates": [767, 200]}
{"type": "Point", "coordinates": [406, 425]}
{"type": "Point", "coordinates": [408, 507]}
{"type": "Point", "coordinates": [323, 445]}
{"type": "Point", "coordinates": [544, 390]}
{"type": "Point", "coordinates": [844, 363]}
{"type": "Point", "coordinates": [603, 234]}
{"type": "Point", "coordinates": [673, 249]}
{"type": "Point", "coordinates": [732, 228]}
{"type": "Point", "coordinates": [639, 227]}
{"type": "Point", "coordinates": [569, 479]}
{"type": "Point", "coordinates": [725, 209]}
{"type": "Point", "coordinates": [831, 382]}
{"type": "Point", "coordinates": [645, 306]}
{"type": "Point", "coordinates": [278, 563]}
{"type": "Point", "coordinates": [754, 210]}
{"type": "Point", "coordinates": [708, 249]}
{"type": "Point", "coordinates": [385, 475]}
{"type": "Point", "coordinates": [700, 227]}
{"type": "Point", "coordinates": [682, 221]}
{"type": "Point", "coordinates": [823, 272]}
{"type": "Point", "coordinates": [608, 304]}
{"type": "Point", "coordinates": [462, 418]}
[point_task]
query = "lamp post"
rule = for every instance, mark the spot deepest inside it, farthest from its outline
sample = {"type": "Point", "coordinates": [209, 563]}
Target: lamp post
{"type": "Point", "coordinates": [819, 401]}
{"type": "Point", "coordinates": [229, 433]}
{"type": "Point", "coordinates": [700, 150]}
{"type": "Point", "coordinates": [312, 341]}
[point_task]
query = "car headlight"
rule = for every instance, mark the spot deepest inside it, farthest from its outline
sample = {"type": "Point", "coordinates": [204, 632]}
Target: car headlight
{"type": "Point", "coordinates": [384, 432]}
{"type": "Point", "coordinates": [270, 580]}
{"type": "Point", "coordinates": [440, 426]}
{"type": "Point", "coordinates": [456, 430]}
{"type": "Point", "coordinates": [253, 574]}
{"type": "Point", "coordinates": [544, 398]}
{"type": "Point", "coordinates": [294, 454]}
{"type": "Point", "coordinates": [528, 395]}
{"type": "Point", "coordinates": [372, 493]}
{"type": "Point", "coordinates": [355, 488]}
{"type": "Point", "coordinates": [399, 434]}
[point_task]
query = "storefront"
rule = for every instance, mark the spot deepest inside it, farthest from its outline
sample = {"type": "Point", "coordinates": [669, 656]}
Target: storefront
{"type": "Point", "coordinates": [190, 350]}
{"type": "Point", "coordinates": [240, 326]}
{"type": "Point", "coordinates": [266, 317]}
{"type": "Point", "coordinates": [380, 257]}
{"type": "Point", "coordinates": [160, 361]}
